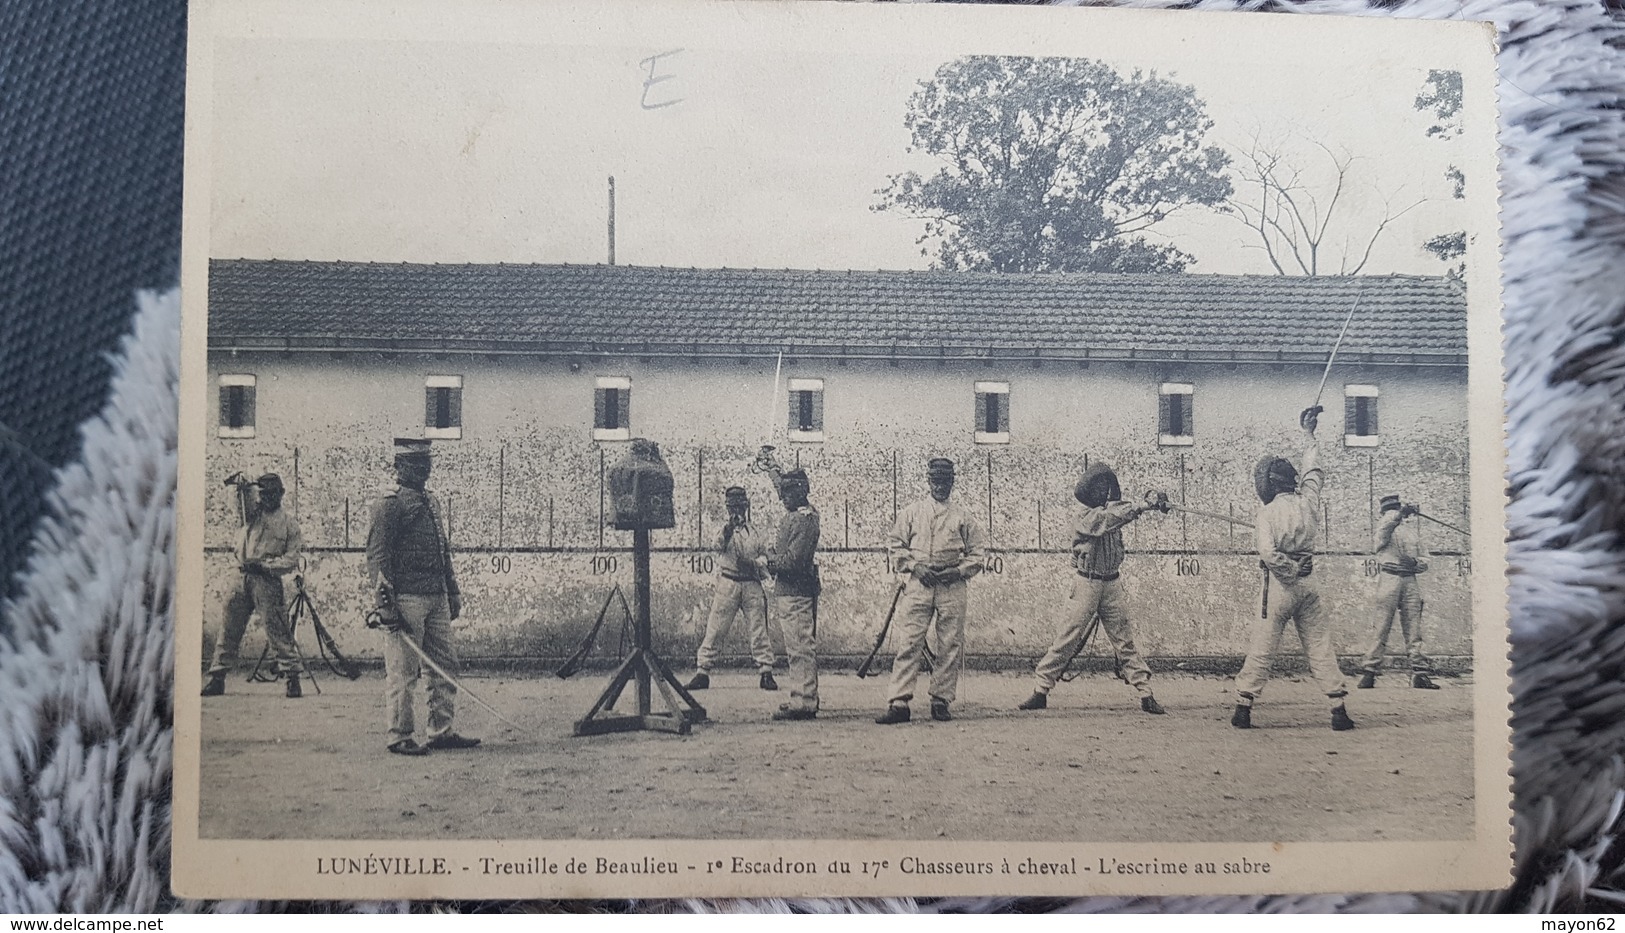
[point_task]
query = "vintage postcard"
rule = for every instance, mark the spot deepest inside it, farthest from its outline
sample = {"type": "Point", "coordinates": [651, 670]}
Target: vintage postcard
{"type": "Point", "coordinates": [678, 447]}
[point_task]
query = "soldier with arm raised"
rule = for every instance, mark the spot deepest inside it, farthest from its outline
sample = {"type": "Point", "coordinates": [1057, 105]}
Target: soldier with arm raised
{"type": "Point", "coordinates": [1287, 533]}
{"type": "Point", "coordinates": [738, 591]}
{"type": "Point", "coordinates": [1097, 557]}
{"type": "Point", "coordinates": [269, 551]}
{"type": "Point", "coordinates": [796, 586]}
{"type": "Point", "coordinates": [1400, 558]}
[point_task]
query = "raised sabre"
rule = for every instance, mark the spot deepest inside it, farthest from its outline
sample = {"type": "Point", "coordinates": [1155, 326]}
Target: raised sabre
{"type": "Point", "coordinates": [773, 401]}
{"type": "Point", "coordinates": [1333, 358]}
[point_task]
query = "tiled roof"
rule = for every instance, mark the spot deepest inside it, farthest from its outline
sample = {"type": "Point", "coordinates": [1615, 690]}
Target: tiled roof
{"type": "Point", "coordinates": [595, 308]}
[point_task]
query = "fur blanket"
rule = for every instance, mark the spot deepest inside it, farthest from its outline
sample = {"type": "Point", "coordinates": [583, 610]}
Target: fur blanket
{"type": "Point", "coordinates": [86, 677]}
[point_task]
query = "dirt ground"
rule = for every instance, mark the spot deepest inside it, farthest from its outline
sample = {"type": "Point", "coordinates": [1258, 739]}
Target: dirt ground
{"type": "Point", "coordinates": [1091, 767]}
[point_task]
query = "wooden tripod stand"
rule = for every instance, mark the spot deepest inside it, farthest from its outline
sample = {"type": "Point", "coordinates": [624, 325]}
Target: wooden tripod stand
{"type": "Point", "coordinates": [645, 670]}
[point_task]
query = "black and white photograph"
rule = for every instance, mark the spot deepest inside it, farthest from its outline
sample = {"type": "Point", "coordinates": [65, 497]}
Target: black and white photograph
{"type": "Point", "coordinates": [703, 448]}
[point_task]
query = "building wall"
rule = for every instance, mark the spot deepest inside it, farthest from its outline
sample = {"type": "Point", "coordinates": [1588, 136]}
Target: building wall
{"type": "Point", "coordinates": [523, 486]}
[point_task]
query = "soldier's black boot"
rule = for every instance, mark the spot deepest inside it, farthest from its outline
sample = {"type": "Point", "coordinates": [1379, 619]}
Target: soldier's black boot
{"type": "Point", "coordinates": [767, 682]}
{"type": "Point", "coordinates": [1340, 719]}
{"type": "Point", "coordinates": [294, 692]}
{"type": "Point", "coordinates": [1242, 718]}
{"type": "Point", "coordinates": [1423, 682]}
{"type": "Point", "coordinates": [699, 681]}
{"type": "Point", "coordinates": [892, 716]}
{"type": "Point", "coordinates": [1036, 701]}
{"type": "Point", "coordinates": [939, 711]}
{"type": "Point", "coordinates": [1367, 680]}
{"type": "Point", "coordinates": [1150, 705]}
{"type": "Point", "coordinates": [215, 686]}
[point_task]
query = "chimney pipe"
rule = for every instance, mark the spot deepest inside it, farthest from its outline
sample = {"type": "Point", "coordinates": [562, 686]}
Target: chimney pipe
{"type": "Point", "coordinates": [612, 220]}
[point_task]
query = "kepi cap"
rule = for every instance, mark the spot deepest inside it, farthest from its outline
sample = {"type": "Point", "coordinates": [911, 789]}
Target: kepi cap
{"type": "Point", "coordinates": [412, 447]}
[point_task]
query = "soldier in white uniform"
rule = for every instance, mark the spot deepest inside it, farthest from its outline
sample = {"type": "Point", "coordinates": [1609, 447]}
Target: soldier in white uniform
{"type": "Point", "coordinates": [1400, 558]}
{"type": "Point", "coordinates": [940, 547]}
{"type": "Point", "coordinates": [741, 565]}
{"type": "Point", "coordinates": [268, 552]}
{"type": "Point", "coordinates": [1097, 556]}
{"type": "Point", "coordinates": [1287, 533]}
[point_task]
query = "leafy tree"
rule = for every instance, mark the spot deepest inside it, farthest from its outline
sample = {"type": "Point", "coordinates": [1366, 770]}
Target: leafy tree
{"type": "Point", "coordinates": [1441, 96]}
{"type": "Point", "coordinates": [1054, 165]}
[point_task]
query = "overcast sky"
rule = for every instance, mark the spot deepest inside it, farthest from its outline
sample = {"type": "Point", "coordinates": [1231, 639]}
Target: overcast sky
{"type": "Point", "coordinates": [458, 151]}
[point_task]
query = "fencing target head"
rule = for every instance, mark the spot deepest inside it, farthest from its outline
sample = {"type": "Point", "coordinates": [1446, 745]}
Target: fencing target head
{"type": "Point", "coordinates": [1098, 486]}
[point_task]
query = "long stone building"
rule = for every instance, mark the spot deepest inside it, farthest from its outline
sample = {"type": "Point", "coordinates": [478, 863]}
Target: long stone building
{"type": "Point", "coordinates": [533, 377]}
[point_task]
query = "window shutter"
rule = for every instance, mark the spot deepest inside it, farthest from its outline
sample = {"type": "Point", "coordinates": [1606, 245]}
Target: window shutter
{"type": "Point", "coordinates": [1004, 412]}
{"type": "Point", "coordinates": [1351, 415]}
{"type": "Point", "coordinates": [1371, 417]}
{"type": "Point", "coordinates": [1164, 416]}
{"type": "Point", "coordinates": [455, 408]}
{"type": "Point", "coordinates": [623, 408]}
{"type": "Point", "coordinates": [1187, 405]}
{"type": "Point", "coordinates": [430, 407]}
{"type": "Point", "coordinates": [600, 412]}
{"type": "Point", "coordinates": [817, 410]}
{"type": "Point", "coordinates": [794, 422]}
{"type": "Point", "coordinates": [226, 413]}
{"type": "Point", "coordinates": [246, 407]}
{"type": "Point", "coordinates": [981, 413]}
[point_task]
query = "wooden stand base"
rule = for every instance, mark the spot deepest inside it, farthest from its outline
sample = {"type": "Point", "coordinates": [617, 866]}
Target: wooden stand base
{"type": "Point", "coordinates": [644, 669]}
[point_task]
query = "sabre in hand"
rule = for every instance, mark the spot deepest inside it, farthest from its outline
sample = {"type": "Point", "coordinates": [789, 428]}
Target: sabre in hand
{"type": "Point", "coordinates": [396, 627]}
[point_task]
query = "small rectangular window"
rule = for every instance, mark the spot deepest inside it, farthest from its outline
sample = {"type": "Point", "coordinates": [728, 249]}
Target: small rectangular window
{"type": "Point", "coordinates": [443, 407]}
{"type": "Point", "coordinates": [1176, 414]}
{"type": "Point", "coordinates": [992, 412]}
{"type": "Point", "coordinates": [612, 409]}
{"type": "Point", "coordinates": [236, 405]}
{"type": "Point", "coordinates": [1360, 416]}
{"type": "Point", "coordinates": [806, 399]}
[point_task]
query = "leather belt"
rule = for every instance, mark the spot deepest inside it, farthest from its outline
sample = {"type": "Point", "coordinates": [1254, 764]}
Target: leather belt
{"type": "Point", "coordinates": [1101, 577]}
{"type": "Point", "coordinates": [739, 579]}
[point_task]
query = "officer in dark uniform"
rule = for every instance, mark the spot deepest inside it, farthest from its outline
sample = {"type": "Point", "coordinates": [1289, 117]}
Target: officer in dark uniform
{"type": "Point", "coordinates": [409, 566]}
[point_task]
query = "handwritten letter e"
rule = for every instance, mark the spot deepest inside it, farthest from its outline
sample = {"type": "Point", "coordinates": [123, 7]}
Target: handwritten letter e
{"type": "Point", "coordinates": [654, 79]}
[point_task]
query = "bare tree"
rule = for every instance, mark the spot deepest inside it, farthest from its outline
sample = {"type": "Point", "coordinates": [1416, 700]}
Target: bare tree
{"type": "Point", "coordinates": [1303, 210]}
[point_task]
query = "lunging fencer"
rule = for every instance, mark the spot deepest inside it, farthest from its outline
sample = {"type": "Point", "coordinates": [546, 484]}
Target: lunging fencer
{"type": "Point", "coordinates": [939, 546]}
{"type": "Point", "coordinates": [409, 568]}
{"type": "Point", "coordinates": [793, 564]}
{"type": "Point", "coordinates": [741, 565]}
{"type": "Point", "coordinates": [1287, 532]}
{"type": "Point", "coordinates": [1097, 559]}
{"type": "Point", "coordinates": [1400, 558]}
{"type": "Point", "coordinates": [269, 550]}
